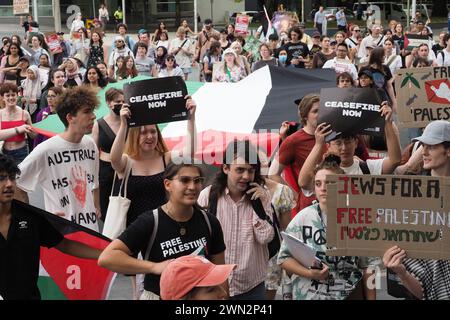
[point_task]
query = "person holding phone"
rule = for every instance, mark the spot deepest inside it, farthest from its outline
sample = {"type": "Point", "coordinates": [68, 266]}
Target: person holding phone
{"type": "Point", "coordinates": [236, 185]}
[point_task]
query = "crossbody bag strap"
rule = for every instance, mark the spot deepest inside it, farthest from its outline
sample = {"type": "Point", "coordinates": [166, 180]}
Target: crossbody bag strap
{"type": "Point", "coordinates": [153, 236]}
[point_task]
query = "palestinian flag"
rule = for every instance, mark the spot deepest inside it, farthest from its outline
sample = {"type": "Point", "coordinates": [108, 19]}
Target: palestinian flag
{"type": "Point", "coordinates": [412, 41]}
{"type": "Point", "coordinates": [66, 277]}
{"type": "Point", "coordinates": [253, 108]}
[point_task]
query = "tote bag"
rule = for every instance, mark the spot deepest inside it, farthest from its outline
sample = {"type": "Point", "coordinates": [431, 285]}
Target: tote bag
{"type": "Point", "coordinates": [116, 215]}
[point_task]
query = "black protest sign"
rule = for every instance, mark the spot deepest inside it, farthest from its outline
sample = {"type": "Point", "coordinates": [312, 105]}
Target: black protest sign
{"type": "Point", "coordinates": [352, 111]}
{"type": "Point", "coordinates": [156, 101]}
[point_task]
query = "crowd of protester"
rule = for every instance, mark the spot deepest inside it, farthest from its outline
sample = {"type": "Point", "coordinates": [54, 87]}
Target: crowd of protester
{"type": "Point", "coordinates": [169, 197]}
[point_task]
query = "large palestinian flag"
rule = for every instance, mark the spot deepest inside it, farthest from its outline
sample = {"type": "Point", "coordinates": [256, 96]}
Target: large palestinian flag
{"type": "Point", "coordinates": [63, 276]}
{"type": "Point", "coordinates": [253, 108]}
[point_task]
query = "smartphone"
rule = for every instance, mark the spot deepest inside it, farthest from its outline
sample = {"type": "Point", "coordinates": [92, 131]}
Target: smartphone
{"type": "Point", "coordinates": [293, 127]}
{"type": "Point", "coordinates": [318, 265]}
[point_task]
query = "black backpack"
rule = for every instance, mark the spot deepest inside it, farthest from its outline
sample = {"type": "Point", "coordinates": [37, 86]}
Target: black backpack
{"type": "Point", "coordinates": [274, 245]}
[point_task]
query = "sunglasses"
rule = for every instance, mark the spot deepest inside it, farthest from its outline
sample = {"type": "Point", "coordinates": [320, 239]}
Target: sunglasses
{"type": "Point", "coordinates": [187, 180]}
{"type": "Point", "coordinates": [170, 60]}
{"type": "Point", "coordinates": [357, 30]}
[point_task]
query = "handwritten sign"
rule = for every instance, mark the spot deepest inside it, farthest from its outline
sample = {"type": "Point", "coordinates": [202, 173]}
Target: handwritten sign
{"type": "Point", "coordinates": [423, 95]}
{"type": "Point", "coordinates": [21, 7]}
{"type": "Point", "coordinates": [369, 214]}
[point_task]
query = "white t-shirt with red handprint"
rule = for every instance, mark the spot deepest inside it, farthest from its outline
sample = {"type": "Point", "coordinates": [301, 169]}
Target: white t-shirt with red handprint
{"type": "Point", "coordinates": [68, 173]}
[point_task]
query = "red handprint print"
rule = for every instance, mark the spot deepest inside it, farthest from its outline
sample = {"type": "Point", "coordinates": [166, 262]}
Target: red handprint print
{"type": "Point", "coordinates": [79, 185]}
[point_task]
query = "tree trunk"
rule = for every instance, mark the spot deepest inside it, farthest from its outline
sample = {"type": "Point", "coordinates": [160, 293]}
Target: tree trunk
{"type": "Point", "coordinates": [177, 13]}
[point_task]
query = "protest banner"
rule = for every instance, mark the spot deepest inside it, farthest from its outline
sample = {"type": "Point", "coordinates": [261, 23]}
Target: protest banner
{"type": "Point", "coordinates": [21, 7]}
{"type": "Point", "coordinates": [369, 214]}
{"type": "Point", "coordinates": [242, 22]}
{"type": "Point", "coordinates": [423, 95]}
{"type": "Point", "coordinates": [53, 43]}
{"type": "Point", "coordinates": [415, 40]}
{"type": "Point", "coordinates": [156, 101]}
{"type": "Point", "coordinates": [353, 111]}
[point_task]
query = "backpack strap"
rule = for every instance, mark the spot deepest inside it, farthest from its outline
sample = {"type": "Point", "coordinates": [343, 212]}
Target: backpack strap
{"type": "Point", "coordinates": [382, 38]}
{"type": "Point", "coordinates": [364, 167]}
{"type": "Point", "coordinates": [153, 236]}
{"type": "Point", "coordinates": [205, 215]}
{"type": "Point", "coordinates": [212, 203]}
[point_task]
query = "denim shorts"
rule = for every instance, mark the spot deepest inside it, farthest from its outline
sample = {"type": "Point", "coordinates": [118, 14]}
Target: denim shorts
{"type": "Point", "coordinates": [186, 70]}
{"type": "Point", "coordinates": [17, 154]}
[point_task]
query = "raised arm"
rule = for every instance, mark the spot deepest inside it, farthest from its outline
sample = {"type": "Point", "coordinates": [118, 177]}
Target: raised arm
{"type": "Point", "coordinates": [306, 176]}
{"type": "Point", "coordinates": [392, 139]}
{"type": "Point", "coordinates": [190, 146]}
{"type": "Point", "coordinates": [118, 159]}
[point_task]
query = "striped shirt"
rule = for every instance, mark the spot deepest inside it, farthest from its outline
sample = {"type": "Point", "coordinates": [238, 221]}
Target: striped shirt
{"type": "Point", "coordinates": [433, 275]}
{"type": "Point", "coordinates": [246, 237]}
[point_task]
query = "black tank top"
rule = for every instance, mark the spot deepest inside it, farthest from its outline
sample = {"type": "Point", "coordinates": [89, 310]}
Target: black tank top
{"type": "Point", "coordinates": [106, 136]}
{"type": "Point", "coordinates": [9, 75]}
{"type": "Point", "coordinates": [145, 193]}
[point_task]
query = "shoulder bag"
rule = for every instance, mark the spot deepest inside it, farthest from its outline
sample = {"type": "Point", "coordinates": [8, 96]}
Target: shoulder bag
{"type": "Point", "coordinates": [116, 215]}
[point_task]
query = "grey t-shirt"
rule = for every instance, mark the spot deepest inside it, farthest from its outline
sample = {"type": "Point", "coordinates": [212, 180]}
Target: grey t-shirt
{"type": "Point", "coordinates": [144, 65]}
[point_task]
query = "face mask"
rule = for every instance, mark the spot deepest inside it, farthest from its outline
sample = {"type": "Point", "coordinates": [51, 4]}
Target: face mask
{"type": "Point", "coordinates": [282, 59]}
{"type": "Point", "coordinates": [116, 108]}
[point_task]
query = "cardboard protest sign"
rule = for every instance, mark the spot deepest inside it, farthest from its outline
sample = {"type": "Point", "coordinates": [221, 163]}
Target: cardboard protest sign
{"type": "Point", "coordinates": [423, 95]}
{"type": "Point", "coordinates": [414, 40]}
{"type": "Point", "coordinates": [369, 214]}
{"type": "Point", "coordinates": [53, 43]}
{"type": "Point", "coordinates": [21, 7]}
{"type": "Point", "coordinates": [156, 101]}
{"type": "Point", "coordinates": [354, 110]}
{"type": "Point", "coordinates": [252, 45]}
{"type": "Point", "coordinates": [242, 22]}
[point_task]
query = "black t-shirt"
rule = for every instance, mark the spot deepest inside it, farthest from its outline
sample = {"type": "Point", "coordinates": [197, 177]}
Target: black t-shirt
{"type": "Point", "coordinates": [295, 50]}
{"type": "Point", "coordinates": [19, 254]}
{"type": "Point", "coordinates": [380, 79]}
{"type": "Point", "coordinates": [26, 26]}
{"type": "Point", "coordinates": [169, 244]}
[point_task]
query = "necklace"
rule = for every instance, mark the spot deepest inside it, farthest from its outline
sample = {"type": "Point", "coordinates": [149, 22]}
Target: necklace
{"type": "Point", "coordinates": [183, 229]}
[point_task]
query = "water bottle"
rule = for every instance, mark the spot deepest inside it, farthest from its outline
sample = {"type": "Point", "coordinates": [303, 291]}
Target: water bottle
{"type": "Point", "coordinates": [286, 287]}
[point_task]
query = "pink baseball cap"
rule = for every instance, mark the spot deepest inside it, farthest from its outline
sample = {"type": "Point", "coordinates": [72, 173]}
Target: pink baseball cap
{"type": "Point", "coordinates": [185, 273]}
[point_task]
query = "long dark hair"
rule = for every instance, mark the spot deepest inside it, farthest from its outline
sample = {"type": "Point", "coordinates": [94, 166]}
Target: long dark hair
{"type": "Point", "coordinates": [100, 40]}
{"type": "Point", "coordinates": [376, 58]}
{"type": "Point", "coordinates": [237, 149]}
{"type": "Point", "coordinates": [101, 80]}
{"type": "Point", "coordinates": [51, 74]}
{"type": "Point", "coordinates": [160, 60]}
